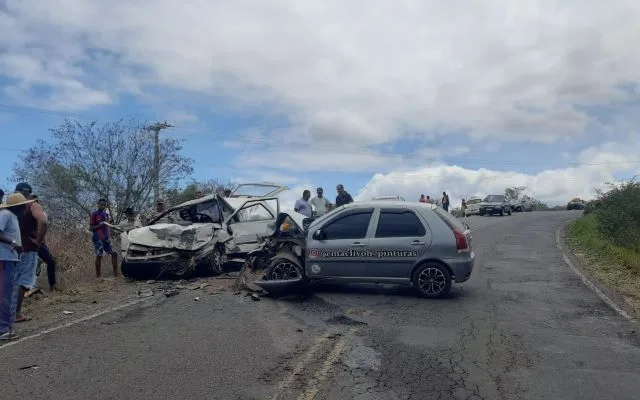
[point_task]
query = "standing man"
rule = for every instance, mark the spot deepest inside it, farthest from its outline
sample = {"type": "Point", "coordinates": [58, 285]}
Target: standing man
{"type": "Point", "coordinates": [422, 199]}
{"type": "Point", "coordinates": [160, 209]}
{"type": "Point", "coordinates": [343, 196]}
{"type": "Point", "coordinates": [445, 201]}
{"type": "Point", "coordinates": [302, 205]}
{"type": "Point", "coordinates": [45, 255]}
{"type": "Point", "coordinates": [464, 208]}
{"type": "Point", "coordinates": [429, 200]}
{"type": "Point", "coordinates": [33, 228]}
{"type": "Point", "coordinates": [227, 193]}
{"type": "Point", "coordinates": [10, 249]}
{"type": "Point", "coordinates": [98, 225]}
{"type": "Point", "coordinates": [125, 226]}
{"type": "Point", "coordinates": [320, 203]}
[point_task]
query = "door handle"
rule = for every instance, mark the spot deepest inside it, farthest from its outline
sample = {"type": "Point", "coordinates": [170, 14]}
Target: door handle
{"type": "Point", "coordinates": [357, 244]}
{"type": "Point", "coordinates": [417, 243]}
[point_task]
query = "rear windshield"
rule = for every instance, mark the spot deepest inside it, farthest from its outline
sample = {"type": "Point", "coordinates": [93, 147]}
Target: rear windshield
{"type": "Point", "coordinates": [450, 219]}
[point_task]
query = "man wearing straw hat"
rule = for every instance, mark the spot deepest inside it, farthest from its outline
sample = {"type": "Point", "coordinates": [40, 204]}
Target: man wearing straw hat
{"type": "Point", "coordinates": [10, 250]}
{"type": "Point", "coordinates": [33, 228]}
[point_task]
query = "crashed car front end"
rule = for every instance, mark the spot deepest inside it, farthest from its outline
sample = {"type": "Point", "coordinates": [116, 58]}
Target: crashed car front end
{"type": "Point", "coordinates": [278, 265]}
{"type": "Point", "coordinates": [169, 249]}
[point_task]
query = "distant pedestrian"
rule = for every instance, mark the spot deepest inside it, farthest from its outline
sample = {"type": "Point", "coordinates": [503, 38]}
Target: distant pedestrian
{"type": "Point", "coordinates": [320, 203]}
{"type": "Point", "coordinates": [33, 228]}
{"type": "Point", "coordinates": [429, 200]}
{"type": "Point", "coordinates": [302, 205]}
{"type": "Point", "coordinates": [101, 242]}
{"type": "Point", "coordinates": [343, 196]}
{"type": "Point", "coordinates": [10, 250]}
{"type": "Point", "coordinates": [422, 199]}
{"type": "Point", "coordinates": [445, 201]}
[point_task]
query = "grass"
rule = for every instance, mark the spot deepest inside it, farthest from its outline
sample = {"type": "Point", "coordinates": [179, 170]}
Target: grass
{"type": "Point", "coordinates": [616, 267]}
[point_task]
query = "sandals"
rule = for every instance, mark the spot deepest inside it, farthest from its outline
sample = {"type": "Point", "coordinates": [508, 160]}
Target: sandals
{"type": "Point", "coordinates": [22, 318]}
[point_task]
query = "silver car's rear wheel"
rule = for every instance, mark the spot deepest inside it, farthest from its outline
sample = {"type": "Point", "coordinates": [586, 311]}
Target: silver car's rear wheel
{"type": "Point", "coordinates": [282, 269]}
{"type": "Point", "coordinates": [432, 280]}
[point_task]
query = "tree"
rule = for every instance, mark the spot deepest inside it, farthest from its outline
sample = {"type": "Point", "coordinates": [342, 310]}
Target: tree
{"type": "Point", "coordinates": [513, 193]}
{"type": "Point", "coordinates": [83, 162]}
{"type": "Point", "coordinates": [176, 196]}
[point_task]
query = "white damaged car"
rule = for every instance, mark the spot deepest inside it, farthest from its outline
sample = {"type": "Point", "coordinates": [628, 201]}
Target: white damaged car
{"type": "Point", "coordinates": [207, 233]}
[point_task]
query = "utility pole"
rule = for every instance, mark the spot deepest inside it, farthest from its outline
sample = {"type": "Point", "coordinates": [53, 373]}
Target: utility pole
{"type": "Point", "coordinates": [156, 128]}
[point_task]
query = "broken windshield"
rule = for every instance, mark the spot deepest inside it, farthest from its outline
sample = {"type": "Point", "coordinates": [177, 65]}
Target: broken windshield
{"type": "Point", "coordinates": [205, 212]}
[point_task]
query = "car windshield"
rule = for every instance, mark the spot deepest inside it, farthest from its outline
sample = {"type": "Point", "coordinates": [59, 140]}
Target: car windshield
{"type": "Point", "coordinates": [206, 212]}
{"type": "Point", "coordinates": [494, 198]}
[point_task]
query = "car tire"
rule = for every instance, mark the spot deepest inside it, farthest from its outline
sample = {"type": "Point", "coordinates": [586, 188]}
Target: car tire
{"type": "Point", "coordinates": [432, 280]}
{"type": "Point", "coordinates": [215, 262]}
{"type": "Point", "coordinates": [283, 269]}
{"type": "Point", "coordinates": [510, 212]}
{"type": "Point", "coordinates": [502, 212]}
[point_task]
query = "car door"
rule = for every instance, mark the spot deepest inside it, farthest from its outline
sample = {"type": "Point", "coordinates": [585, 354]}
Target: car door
{"type": "Point", "coordinates": [249, 221]}
{"type": "Point", "coordinates": [339, 246]}
{"type": "Point", "coordinates": [401, 236]}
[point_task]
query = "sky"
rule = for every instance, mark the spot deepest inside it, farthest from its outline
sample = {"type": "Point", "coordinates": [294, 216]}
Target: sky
{"type": "Point", "coordinates": [395, 98]}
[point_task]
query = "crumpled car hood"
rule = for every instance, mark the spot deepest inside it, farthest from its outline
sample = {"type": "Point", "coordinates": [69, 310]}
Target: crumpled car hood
{"type": "Point", "coordinates": [172, 236]}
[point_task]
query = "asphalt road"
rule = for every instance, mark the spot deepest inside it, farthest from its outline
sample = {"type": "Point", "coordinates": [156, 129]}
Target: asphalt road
{"type": "Point", "coordinates": [523, 327]}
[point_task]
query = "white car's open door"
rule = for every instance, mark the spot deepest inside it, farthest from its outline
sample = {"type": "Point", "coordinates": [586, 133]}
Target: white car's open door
{"type": "Point", "coordinates": [251, 220]}
{"type": "Point", "coordinates": [261, 189]}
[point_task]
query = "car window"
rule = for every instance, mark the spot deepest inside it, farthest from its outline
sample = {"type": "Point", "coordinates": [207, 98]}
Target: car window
{"type": "Point", "coordinates": [352, 226]}
{"type": "Point", "coordinates": [399, 223]}
{"type": "Point", "coordinates": [256, 212]}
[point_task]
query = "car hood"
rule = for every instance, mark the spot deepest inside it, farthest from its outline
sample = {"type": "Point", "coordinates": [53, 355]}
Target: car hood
{"type": "Point", "coordinates": [173, 236]}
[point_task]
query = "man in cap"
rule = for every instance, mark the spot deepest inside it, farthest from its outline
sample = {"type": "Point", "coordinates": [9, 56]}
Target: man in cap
{"type": "Point", "coordinates": [343, 196]}
{"type": "Point", "coordinates": [10, 249]}
{"type": "Point", "coordinates": [160, 209]}
{"type": "Point", "coordinates": [98, 225]}
{"type": "Point", "coordinates": [33, 228]}
{"type": "Point", "coordinates": [320, 203]}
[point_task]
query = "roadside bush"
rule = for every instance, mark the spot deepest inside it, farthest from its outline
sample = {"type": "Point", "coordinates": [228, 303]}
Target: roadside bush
{"type": "Point", "coordinates": [74, 255]}
{"type": "Point", "coordinates": [618, 214]}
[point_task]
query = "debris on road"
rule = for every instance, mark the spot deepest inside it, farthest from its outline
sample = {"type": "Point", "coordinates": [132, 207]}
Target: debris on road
{"type": "Point", "coordinates": [34, 366]}
{"type": "Point", "coordinates": [255, 297]}
{"type": "Point", "coordinates": [197, 298]}
{"type": "Point", "coordinates": [67, 312]}
{"type": "Point", "coordinates": [145, 293]}
{"type": "Point", "coordinates": [171, 292]}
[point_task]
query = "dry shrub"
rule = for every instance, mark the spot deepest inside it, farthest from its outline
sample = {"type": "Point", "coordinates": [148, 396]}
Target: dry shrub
{"type": "Point", "coordinates": [74, 255]}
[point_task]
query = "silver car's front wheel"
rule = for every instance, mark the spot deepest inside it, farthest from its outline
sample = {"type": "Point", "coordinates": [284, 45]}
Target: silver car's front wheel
{"type": "Point", "coordinates": [282, 269]}
{"type": "Point", "coordinates": [432, 280]}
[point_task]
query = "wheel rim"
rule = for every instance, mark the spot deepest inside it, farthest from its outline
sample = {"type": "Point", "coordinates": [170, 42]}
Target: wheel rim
{"type": "Point", "coordinates": [217, 261]}
{"type": "Point", "coordinates": [432, 281]}
{"type": "Point", "coordinates": [283, 271]}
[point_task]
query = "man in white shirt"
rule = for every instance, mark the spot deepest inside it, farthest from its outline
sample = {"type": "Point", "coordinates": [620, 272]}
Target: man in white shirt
{"type": "Point", "coordinates": [320, 203]}
{"type": "Point", "coordinates": [302, 205]}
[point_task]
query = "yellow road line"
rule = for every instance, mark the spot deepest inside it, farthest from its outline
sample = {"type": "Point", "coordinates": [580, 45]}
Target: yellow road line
{"type": "Point", "coordinates": [284, 384]}
{"type": "Point", "coordinates": [313, 387]}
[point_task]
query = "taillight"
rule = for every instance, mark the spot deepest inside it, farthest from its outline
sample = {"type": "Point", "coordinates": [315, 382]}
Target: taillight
{"type": "Point", "coordinates": [461, 241]}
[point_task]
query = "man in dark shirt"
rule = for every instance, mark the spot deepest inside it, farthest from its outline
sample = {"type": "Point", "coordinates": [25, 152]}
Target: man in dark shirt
{"type": "Point", "coordinates": [33, 228]}
{"type": "Point", "coordinates": [343, 196]}
{"type": "Point", "coordinates": [98, 225]}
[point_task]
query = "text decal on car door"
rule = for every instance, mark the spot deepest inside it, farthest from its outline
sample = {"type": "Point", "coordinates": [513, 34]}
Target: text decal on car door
{"type": "Point", "coordinates": [350, 253]}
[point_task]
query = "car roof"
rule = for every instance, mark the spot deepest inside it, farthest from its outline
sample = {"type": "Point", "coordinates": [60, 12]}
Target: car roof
{"type": "Point", "coordinates": [390, 204]}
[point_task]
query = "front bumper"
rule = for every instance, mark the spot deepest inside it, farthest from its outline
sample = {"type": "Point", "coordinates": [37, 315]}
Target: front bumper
{"type": "Point", "coordinates": [491, 210]}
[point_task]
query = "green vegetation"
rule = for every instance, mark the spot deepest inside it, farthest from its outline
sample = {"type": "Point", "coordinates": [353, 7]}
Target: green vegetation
{"type": "Point", "coordinates": [607, 238]}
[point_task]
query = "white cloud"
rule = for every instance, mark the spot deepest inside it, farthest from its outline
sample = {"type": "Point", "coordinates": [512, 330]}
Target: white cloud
{"type": "Point", "coordinates": [181, 116]}
{"type": "Point", "coordinates": [378, 73]}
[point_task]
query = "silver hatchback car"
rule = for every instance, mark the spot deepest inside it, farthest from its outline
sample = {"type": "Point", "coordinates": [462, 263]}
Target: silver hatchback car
{"type": "Point", "coordinates": [391, 242]}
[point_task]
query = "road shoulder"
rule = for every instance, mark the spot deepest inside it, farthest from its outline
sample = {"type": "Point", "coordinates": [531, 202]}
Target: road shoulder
{"type": "Point", "coordinates": [575, 258]}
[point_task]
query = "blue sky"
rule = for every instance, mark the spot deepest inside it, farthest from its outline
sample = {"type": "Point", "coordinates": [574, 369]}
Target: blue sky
{"type": "Point", "coordinates": [400, 100]}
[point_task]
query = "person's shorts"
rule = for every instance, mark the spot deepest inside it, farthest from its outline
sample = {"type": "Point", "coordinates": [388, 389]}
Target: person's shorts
{"type": "Point", "coordinates": [103, 246]}
{"type": "Point", "coordinates": [26, 270]}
